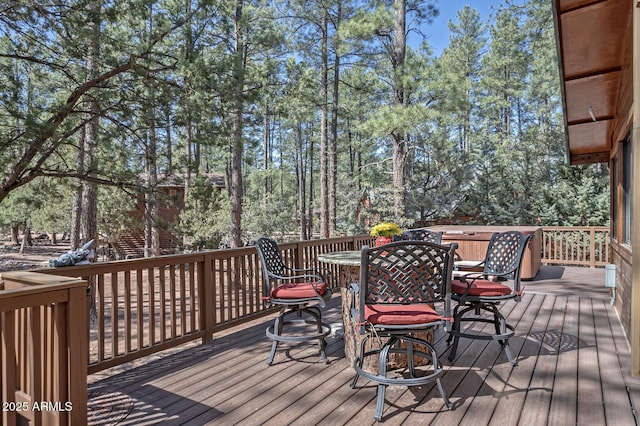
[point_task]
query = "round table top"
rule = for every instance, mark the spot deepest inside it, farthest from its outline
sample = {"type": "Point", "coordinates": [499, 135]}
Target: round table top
{"type": "Point", "coordinates": [347, 258]}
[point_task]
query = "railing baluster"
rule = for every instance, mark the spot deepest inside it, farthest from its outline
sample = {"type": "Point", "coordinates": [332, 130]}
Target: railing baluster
{"type": "Point", "coordinates": [139, 310]}
{"type": "Point", "coordinates": [115, 350]}
{"type": "Point", "coordinates": [172, 298]}
{"type": "Point", "coordinates": [151, 289]}
{"type": "Point", "coordinates": [592, 246]}
{"type": "Point", "coordinates": [127, 311]}
{"type": "Point", "coordinates": [162, 293]}
{"type": "Point", "coordinates": [101, 318]}
{"type": "Point", "coordinates": [192, 293]}
{"type": "Point", "coordinates": [183, 301]}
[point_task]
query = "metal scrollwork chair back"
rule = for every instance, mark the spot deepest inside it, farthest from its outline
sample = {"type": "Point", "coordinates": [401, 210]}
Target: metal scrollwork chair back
{"type": "Point", "coordinates": [421, 235]}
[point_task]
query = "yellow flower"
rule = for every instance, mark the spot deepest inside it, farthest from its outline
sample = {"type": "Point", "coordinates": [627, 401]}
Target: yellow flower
{"type": "Point", "coordinates": [386, 229]}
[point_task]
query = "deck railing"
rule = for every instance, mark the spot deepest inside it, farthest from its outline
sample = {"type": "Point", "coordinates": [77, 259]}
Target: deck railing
{"type": "Point", "coordinates": [146, 305]}
{"type": "Point", "coordinates": [43, 335]}
{"type": "Point", "coordinates": [143, 306]}
{"type": "Point", "coordinates": [578, 246]}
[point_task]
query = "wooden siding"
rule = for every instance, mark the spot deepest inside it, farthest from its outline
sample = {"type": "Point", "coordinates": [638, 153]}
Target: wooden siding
{"type": "Point", "coordinates": [622, 254]}
{"type": "Point", "coordinates": [573, 358]}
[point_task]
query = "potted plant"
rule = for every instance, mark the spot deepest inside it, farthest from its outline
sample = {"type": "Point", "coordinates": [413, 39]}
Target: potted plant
{"type": "Point", "coordinates": [384, 232]}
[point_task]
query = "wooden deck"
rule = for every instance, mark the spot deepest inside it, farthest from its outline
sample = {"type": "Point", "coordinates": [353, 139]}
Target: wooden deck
{"type": "Point", "coordinates": [573, 369]}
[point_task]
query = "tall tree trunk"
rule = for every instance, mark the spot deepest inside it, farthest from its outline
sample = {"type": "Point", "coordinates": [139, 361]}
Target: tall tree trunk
{"type": "Point", "coordinates": [26, 239]}
{"type": "Point", "coordinates": [333, 146]}
{"type": "Point", "coordinates": [152, 233]}
{"type": "Point", "coordinates": [188, 104]}
{"type": "Point", "coordinates": [302, 195]}
{"type": "Point", "coordinates": [265, 159]}
{"type": "Point", "coordinates": [88, 221]}
{"type": "Point", "coordinates": [15, 235]}
{"type": "Point", "coordinates": [399, 137]}
{"type": "Point", "coordinates": [310, 204]}
{"type": "Point", "coordinates": [236, 136]}
{"type": "Point", "coordinates": [89, 218]}
{"type": "Point", "coordinates": [324, 163]}
{"type": "Point", "coordinates": [169, 141]}
{"type": "Point", "coordinates": [76, 208]}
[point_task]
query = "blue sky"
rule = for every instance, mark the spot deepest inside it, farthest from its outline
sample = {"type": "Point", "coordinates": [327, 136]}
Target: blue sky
{"type": "Point", "coordinates": [438, 31]}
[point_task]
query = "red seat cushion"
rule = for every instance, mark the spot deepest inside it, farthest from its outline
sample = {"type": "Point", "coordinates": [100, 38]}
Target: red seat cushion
{"type": "Point", "coordinates": [390, 314]}
{"type": "Point", "coordinates": [480, 288]}
{"type": "Point", "coordinates": [298, 290]}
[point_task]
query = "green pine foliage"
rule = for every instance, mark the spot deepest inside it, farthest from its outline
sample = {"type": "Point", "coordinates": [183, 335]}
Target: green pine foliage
{"type": "Point", "coordinates": [204, 222]}
{"type": "Point", "coordinates": [479, 127]}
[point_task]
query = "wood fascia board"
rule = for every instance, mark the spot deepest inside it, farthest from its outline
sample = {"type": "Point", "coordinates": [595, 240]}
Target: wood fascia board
{"type": "Point", "coordinates": [555, 7]}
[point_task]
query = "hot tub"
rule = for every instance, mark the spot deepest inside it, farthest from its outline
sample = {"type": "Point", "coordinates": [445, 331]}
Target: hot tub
{"type": "Point", "coordinates": [473, 241]}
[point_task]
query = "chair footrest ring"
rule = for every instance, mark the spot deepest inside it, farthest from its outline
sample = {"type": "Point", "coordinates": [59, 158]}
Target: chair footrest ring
{"type": "Point", "coordinates": [433, 369]}
{"type": "Point", "coordinates": [391, 381]}
{"type": "Point", "coordinates": [326, 330]}
{"type": "Point", "coordinates": [484, 335]}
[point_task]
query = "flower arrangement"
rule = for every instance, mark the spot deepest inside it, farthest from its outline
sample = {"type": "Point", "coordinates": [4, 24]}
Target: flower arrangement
{"type": "Point", "coordinates": [386, 229]}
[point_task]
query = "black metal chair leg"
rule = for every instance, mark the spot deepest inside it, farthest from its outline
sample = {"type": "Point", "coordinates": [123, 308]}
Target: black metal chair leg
{"type": "Point", "coordinates": [447, 403]}
{"type": "Point", "coordinates": [315, 312]}
{"type": "Point", "coordinates": [359, 361]}
{"type": "Point", "coordinates": [277, 327]}
{"type": "Point", "coordinates": [382, 372]}
{"type": "Point", "coordinates": [380, 402]}
{"type": "Point", "coordinates": [505, 342]}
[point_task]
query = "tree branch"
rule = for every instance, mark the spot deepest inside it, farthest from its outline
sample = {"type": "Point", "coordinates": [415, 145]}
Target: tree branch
{"type": "Point", "coordinates": [17, 177]}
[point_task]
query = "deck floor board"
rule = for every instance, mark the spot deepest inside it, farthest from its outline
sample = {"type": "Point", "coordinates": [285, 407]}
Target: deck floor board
{"type": "Point", "coordinates": [573, 368]}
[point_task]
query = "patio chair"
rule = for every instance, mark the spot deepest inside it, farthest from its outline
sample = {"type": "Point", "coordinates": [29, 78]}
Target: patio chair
{"type": "Point", "coordinates": [403, 293]}
{"type": "Point", "coordinates": [421, 235]}
{"type": "Point", "coordinates": [481, 292]}
{"type": "Point", "coordinates": [299, 293]}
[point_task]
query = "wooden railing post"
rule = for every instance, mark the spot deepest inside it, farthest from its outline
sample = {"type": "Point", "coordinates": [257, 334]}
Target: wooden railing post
{"type": "Point", "coordinates": [77, 332]}
{"type": "Point", "coordinates": [299, 256]}
{"type": "Point", "coordinates": [206, 293]}
{"type": "Point", "coordinates": [8, 367]}
{"type": "Point", "coordinates": [592, 247]}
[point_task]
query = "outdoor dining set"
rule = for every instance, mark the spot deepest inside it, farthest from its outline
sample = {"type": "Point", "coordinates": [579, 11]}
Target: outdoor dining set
{"type": "Point", "coordinates": [402, 292]}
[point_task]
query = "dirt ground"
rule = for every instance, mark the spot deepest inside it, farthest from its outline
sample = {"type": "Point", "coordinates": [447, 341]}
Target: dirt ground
{"type": "Point", "coordinates": [33, 257]}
